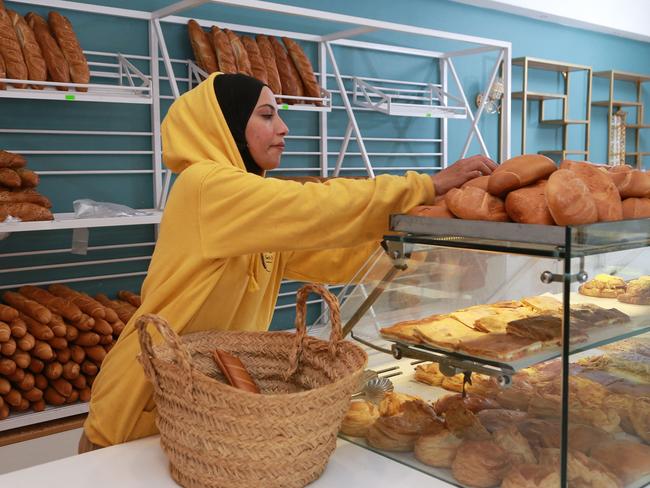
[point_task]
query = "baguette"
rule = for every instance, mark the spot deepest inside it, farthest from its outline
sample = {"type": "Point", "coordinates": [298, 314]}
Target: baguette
{"type": "Point", "coordinates": [124, 310]}
{"type": "Point", "coordinates": [223, 48]}
{"type": "Point", "coordinates": [74, 396]}
{"type": "Point", "coordinates": [268, 56]}
{"type": "Point", "coordinates": [7, 366]}
{"type": "Point", "coordinates": [258, 67]}
{"type": "Point", "coordinates": [52, 397]}
{"type": "Point", "coordinates": [102, 327]}
{"type": "Point", "coordinates": [241, 56]}
{"type": "Point", "coordinates": [11, 160]}
{"type": "Point", "coordinates": [303, 66]}
{"type": "Point", "coordinates": [83, 301]}
{"type": "Point", "coordinates": [53, 370]}
{"type": "Point", "coordinates": [78, 355]}
{"type": "Point", "coordinates": [42, 350]}
{"type": "Point", "coordinates": [89, 368]}
{"type": "Point", "coordinates": [71, 371]}
{"type": "Point", "coordinates": [62, 386]}
{"type": "Point", "coordinates": [84, 395]}
{"type": "Point", "coordinates": [204, 54]}
{"type": "Point", "coordinates": [55, 304]}
{"type": "Point", "coordinates": [5, 386]}
{"type": "Point", "coordinates": [287, 79]}
{"type": "Point", "coordinates": [33, 395]}
{"type": "Point", "coordinates": [13, 398]}
{"type": "Point", "coordinates": [85, 323]}
{"type": "Point", "coordinates": [7, 314]}
{"type": "Point", "coordinates": [22, 359]}
{"type": "Point", "coordinates": [37, 366]}
{"type": "Point", "coordinates": [234, 371]}
{"type": "Point", "coordinates": [3, 72]}
{"type": "Point", "coordinates": [26, 212]}
{"type": "Point", "coordinates": [520, 171]}
{"type": "Point", "coordinates": [11, 52]}
{"type": "Point", "coordinates": [9, 178]}
{"type": "Point", "coordinates": [28, 307]}
{"type": "Point", "coordinates": [87, 339]}
{"type": "Point", "coordinates": [18, 327]}
{"type": "Point", "coordinates": [5, 332]}
{"type": "Point", "coordinates": [130, 297]}
{"type": "Point", "coordinates": [36, 68]}
{"type": "Point", "coordinates": [63, 356]}
{"type": "Point", "coordinates": [28, 179]}
{"type": "Point", "coordinates": [25, 196]}
{"type": "Point", "coordinates": [26, 343]}
{"type": "Point", "coordinates": [27, 383]}
{"type": "Point", "coordinates": [79, 382]}
{"type": "Point", "coordinates": [96, 354]}
{"type": "Point", "coordinates": [40, 381]}
{"type": "Point", "coordinates": [569, 199]}
{"type": "Point", "coordinates": [38, 406]}
{"type": "Point", "coordinates": [67, 40]}
{"type": "Point", "coordinates": [57, 66]}
{"type": "Point", "coordinates": [8, 348]}
{"type": "Point", "coordinates": [58, 343]}
{"type": "Point", "coordinates": [39, 330]}
{"type": "Point", "coordinates": [17, 377]}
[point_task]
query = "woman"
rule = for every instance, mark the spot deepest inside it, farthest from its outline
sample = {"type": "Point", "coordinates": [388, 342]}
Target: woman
{"type": "Point", "coordinates": [228, 236]}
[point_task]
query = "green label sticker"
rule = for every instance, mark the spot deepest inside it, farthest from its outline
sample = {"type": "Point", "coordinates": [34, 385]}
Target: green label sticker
{"type": "Point", "coordinates": [284, 106]}
{"type": "Point", "coordinates": [70, 97]}
{"type": "Point", "coordinates": [428, 114]}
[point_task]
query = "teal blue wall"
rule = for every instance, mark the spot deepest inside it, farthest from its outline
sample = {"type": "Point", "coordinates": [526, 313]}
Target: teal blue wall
{"type": "Point", "coordinates": [528, 37]}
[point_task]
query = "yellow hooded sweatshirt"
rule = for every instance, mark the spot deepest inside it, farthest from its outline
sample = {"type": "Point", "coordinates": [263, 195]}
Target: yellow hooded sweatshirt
{"type": "Point", "coordinates": [227, 239]}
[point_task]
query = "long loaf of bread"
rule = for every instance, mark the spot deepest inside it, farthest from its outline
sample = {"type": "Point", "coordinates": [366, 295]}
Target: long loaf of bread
{"type": "Point", "coordinates": [303, 66]}
{"type": "Point", "coordinates": [67, 40]}
{"type": "Point", "coordinates": [9, 178]}
{"type": "Point", "coordinates": [25, 196]}
{"type": "Point", "coordinates": [29, 307]}
{"type": "Point", "coordinates": [234, 371]}
{"type": "Point", "coordinates": [241, 56]}
{"type": "Point", "coordinates": [130, 297]}
{"type": "Point", "coordinates": [28, 179]}
{"type": "Point", "coordinates": [204, 54]}
{"type": "Point", "coordinates": [34, 60]}
{"type": "Point", "coordinates": [11, 160]}
{"type": "Point", "coordinates": [57, 66]}
{"type": "Point", "coordinates": [223, 48]}
{"type": "Point", "coordinates": [3, 72]}
{"type": "Point", "coordinates": [258, 67]}
{"type": "Point", "coordinates": [268, 56]}
{"type": "Point", "coordinates": [287, 78]}
{"type": "Point", "coordinates": [61, 306]}
{"type": "Point", "coordinates": [27, 212]}
{"type": "Point", "coordinates": [10, 50]}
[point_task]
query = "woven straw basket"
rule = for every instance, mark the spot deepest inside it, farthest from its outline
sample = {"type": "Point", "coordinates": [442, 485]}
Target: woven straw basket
{"type": "Point", "coordinates": [218, 436]}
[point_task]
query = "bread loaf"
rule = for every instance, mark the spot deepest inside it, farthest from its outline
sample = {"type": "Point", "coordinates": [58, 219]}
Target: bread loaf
{"type": "Point", "coordinates": [296, 76]}
{"type": "Point", "coordinates": [287, 79]}
{"type": "Point", "coordinates": [18, 328]}
{"type": "Point", "coordinates": [9, 178]}
{"type": "Point", "coordinates": [631, 183]}
{"type": "Point", "coordinates": [57, 66]}
{"type": "Point", "coordinates": [130, 297]}
{"type": "Point", "coordinates": [472, 203]}
{"type": "Point", "coordinates": [29, 307]}
{"type": "Point", "coordinates": [520, 171]}
{"type": "Point", "coordinates": [28, 178]}
{"type": "Point", "coordinates": [63, 356]}
{"type": "Point", "coordinates": [223, 48]}
{"type": "Point", "coordinates": [123, 313]}
{"type": "Point", "coordinates": [34, 60]}
{"type": "Point", "coordinates": [5, 332]}
{"type": "Point", "coordinates": [27, 212]}
{"type": "Point", "coordinates": [21, 358]}
{"type": "Point", "coordinates": [241, 56]}
{"type": "Point", "coordinates": [25, 196]}
{"type": "Point", "coordinates": [433, 211]}
{"type": "Point", "coordinates": [37, 366]}
{"type": "Point", "coordinates": [55, 304]}
{"type": "Point", "coordinates": [3, 72]}
{"type": "Point", "coordinates": [83, 301]}
{"type": "Point", "coordinates": [258, 67]}
{"type": "Point", "coordinates": [569, 199]}
{"type": "Point", "coordinates": [204, 53]}
{"type": "Point", "coordinates": [11, 160]}
{"type": "Point", "coordinates": [8, 348]}
{"type": "Point", "coordinates": [528, 205]}
{"type": "Point", "coordinates": [26, 343]}
{"type": "Point", "coordinates": [11, 51]}
{"type": "Point", "coordinates": [303, 66]}
{"type": "Point", "coordinates": [268, 56]}
{"type": "Point", "coordinates": [636, 208]}
{"type": "Point", "coordinates": [67, 40]}
{"type": "Point", "coordinates": [602, 188]}
{"type": "Point", "coordinates": [42, 350]}
{"type": "Point", "coordinates": [480, 182]}
{"type": "Point", "coordinates": [234, 371]}
{"type": "Point", "coordinates": [7, 314]}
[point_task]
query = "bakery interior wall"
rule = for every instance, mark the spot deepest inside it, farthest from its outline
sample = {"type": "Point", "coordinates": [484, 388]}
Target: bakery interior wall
{"type": "Point", "coordinates": [529, 38]}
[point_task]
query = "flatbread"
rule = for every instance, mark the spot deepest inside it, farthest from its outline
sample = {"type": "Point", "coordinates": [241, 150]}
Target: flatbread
{"type": "Point", "coordinates": [543, 304]}
{"type": "Point", "coordinates": [445, 332]}
{"type": "Point", "coordinates": [498, 323]}
{"type": "Point", "coordinates": [503, 347]}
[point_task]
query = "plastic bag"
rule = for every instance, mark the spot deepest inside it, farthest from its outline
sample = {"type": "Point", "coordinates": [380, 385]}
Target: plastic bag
{"type": "Point", "coordinates": [86, 209]}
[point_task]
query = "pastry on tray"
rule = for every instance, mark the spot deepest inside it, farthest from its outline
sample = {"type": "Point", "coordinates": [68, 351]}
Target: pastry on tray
{"type": "Point", "coordinates": [543, 304]}
{"type": "Point", "coordinates": [494, 419]}
{"type": "Point", "coordinates": [437, 449]}
{"type": "Point", "coordinates": [445, 332]}
{"type": "Point", "coordinates": [463, 423]}
{"type": "Point", "coordinates": [474, 403]}
{"type": "Point", "coordinates": [583, 471]}
{"type": "Point", "coordinates": [603, 286]}
{"type": "Point", "coordinates": [359, 417]}
{"type": "Point", "coordinates": [480, 464]}
{"type": "Point", "coordinates": [629, 460]}
{"type": "Point", "coordinates": [531, 476]}
{"type": "Point", "coordinates": [637, 292]}
{"type": "Point", "coordinates": [502, 347]}
{"type": "Point", "coordinates": [393, 403]}
{"type": "Point", "coordinates": [515, 444]}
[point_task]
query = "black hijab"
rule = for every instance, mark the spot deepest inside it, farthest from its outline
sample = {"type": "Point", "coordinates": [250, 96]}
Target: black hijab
{"type": "Point", "coordinates": [237, 95]}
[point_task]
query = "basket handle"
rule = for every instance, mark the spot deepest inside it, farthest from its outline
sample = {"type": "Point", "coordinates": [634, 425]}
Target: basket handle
{"type": "Point", "coordinates": [171, 338]}
{"type": "Point", "coordinates": [301, 326]}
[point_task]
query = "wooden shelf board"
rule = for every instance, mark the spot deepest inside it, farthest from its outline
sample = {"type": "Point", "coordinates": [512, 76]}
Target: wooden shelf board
{"type": "Point", "coordinates": [564, 122]}
{"type": "Point", "coordinates": [616, 103]}
{"type": "Point", "coordinates": [548, 65]}
{"type": "Point", "coordinates": [539, 96]}
{"type": "Point", "coordinates": [623, 75]}
{"type": "Point", "coordinates": [563, 151]}
{"type": "Point", "coordinates": [637, 126]}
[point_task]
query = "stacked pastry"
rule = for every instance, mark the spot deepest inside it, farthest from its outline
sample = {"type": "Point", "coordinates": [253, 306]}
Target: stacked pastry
{"type": "Point", "coordinates": [286, 71]}
{"type": "Point", "coordinates": [18, 196]}
{"type": "Point", "coordinates": [33, 49]}
{"type": "Point", "coordinates": [635, 291]}
{"type": "Point", "coordinates": [530, 189]}
{"type": "Point", "coordinates": [506, 330]}
{"type": "Point", "coordinates": [52, 344]}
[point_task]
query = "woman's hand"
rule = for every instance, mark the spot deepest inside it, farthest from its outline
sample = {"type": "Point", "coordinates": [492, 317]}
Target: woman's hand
{"type": "Point", "coordinates": [461, 171]}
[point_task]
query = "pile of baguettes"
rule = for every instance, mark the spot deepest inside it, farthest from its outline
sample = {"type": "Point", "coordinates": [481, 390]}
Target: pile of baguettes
{"type": "Point", "coordinates": [511, 436]}
{"type": "Point", "coordinates": [531, 189]}
{"type": "Point", "coordinates": [506, 330]}
{"type": "Point", "coordinates": [53, 342]}
{"type": "Point", "coordinates": [18, 195]}
{"type": "Point", "coordinates": [32, 48]}
{"type": "Point", "coordinates": [286, 72]}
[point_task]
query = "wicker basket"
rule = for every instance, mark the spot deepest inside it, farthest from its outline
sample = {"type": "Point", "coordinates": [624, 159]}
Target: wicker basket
{"type": "Point", "coordinates": [219, 436]}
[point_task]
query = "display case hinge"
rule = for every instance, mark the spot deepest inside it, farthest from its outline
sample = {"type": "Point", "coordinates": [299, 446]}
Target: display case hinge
{"type": "Point", "coordinates": [399, 252]}
{"type": "Point", "coordinates": [581, 276]}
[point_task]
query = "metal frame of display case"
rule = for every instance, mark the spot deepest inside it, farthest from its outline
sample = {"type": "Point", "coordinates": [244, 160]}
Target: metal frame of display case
{"type": "Point", "coordinates": [561, 243]}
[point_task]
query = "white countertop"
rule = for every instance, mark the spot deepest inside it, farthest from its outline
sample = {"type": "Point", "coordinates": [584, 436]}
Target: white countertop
{"type": "Point", "coordinates": [142, 463]}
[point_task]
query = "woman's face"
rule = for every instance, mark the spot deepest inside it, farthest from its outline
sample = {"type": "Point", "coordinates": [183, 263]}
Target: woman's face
{"type": "Point", "coordinates": [265, 132]}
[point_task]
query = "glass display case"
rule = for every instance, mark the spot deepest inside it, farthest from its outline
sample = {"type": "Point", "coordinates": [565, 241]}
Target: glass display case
{"type": "Point", "coordinates": [540, 332]}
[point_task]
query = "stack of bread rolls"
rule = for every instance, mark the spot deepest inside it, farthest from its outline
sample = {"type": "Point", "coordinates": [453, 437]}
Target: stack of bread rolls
{"type": "Point", "coordinates": [52, 344]}
{"type": "Point", "coordinates": [18, 196]}
{"type": "Point", "coordinates": [32, 48]}
{"type": "Point", "coordinates": [531, 189]}
{"type": "Point", "coordinates": [286, 71]}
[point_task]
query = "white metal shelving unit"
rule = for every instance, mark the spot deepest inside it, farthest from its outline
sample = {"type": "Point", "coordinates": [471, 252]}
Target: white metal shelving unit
{"type": "Point", "coordinates": [115, 79]}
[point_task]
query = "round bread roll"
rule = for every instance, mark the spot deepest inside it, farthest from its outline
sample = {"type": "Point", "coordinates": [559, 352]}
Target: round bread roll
{"type": "Point", "coordinates": [480, 464]}
{"type": "Point", "coordinates": [628, 460]}
{"type": "Point", "coordinates": [636, 208]}
{"type": "Point", "coordinates": [631, 183]}
{"type": "Point", "coordinates": [528, 205]}
{"type": "Point", "coordinates": [531, 476]}
{"type": "Point", "coordinates": [472, 203]}
{"type": "Point", "coordinates": [358, 419]}
{"type": "Point", "coordinates": [438, 212]}
{"type": "Point", "coordinates": [602, 188]}
{"type": "Point", "coordinates": [437, 449]}
{"type": "Point", "coordinates": [569, 199]}
{"type": "Point", "coordinates": [480, 182]}
{"type": "Point", "coordinates": [520, 171]}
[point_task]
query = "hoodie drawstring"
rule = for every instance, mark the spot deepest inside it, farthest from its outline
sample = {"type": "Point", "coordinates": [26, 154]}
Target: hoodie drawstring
{"type": "Point", "coordinates": [253, 285]}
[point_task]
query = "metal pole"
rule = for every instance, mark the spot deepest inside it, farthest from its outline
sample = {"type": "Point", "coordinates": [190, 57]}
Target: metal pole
{"type": "Point", "coordinates": [155, 116]}
{"type": "Point", "coordinates": [322, 63]}
{"type": "Point", "coordinates": [506, 102]}
{"type": "Point", "coordinates": [168, 64]}
{"type": "Point", "coordinates": [444, 122]}
{"type": "Point", "coordinates": [343, 150]}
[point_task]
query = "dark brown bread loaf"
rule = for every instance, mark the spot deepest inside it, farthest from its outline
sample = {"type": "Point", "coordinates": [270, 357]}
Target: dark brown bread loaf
{"type": "Point", "coordinates": [24, 196]}
{"type": "Point", "coordinates": [57, 66]}
{"type": "Point", "coordinates": [27, 212]}
{"type": "Point", "coordinates": [268, 56]}
{"type": "Point", "coordinates": [67, 40]}
{"type": "Point", "coordinates": [28, 179]}
{"type": "Point", "coordinates": [287, 78]}
{"type": "Point", "coordinates": [241, 56]}
{"type": "Point", "coordinates": [223, 49]}
{"type": "Point", "coordinates": [3, 72]}
{"type": "Point", "coordinates": [11, 160]}
{"type": "Point", "coordinates": [9, 178]}
{"type": "Point", "coordinates": [258, 67]}
{"type": "Point", "coordinates": [204, 54]}
{"type": "Point", "coordinates": [34, 60]}
{"type": "Point", "coordinates": [11, 51]}
{"type": "Point", "coordinates": [303, 66]}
